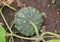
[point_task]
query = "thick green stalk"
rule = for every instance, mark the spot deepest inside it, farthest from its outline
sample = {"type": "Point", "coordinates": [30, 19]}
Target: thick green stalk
{"type": "Point", "coordinates": [57, 35]}
{"type": "Point", "coordinates": [35, 27]}
{"type": "Point", "coordinates": [8, 34]}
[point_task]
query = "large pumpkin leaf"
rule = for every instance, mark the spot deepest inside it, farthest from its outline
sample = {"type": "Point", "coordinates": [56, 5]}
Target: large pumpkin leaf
{"type": "Point", "coordinates": [53, 41]}
{"type": "Point", "coordinates": [2, 34]}
{"type": "Point", "coordinates": [24, 16]}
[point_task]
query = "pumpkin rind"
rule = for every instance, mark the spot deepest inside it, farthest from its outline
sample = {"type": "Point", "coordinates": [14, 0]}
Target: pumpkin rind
{"type": "Point", "coordinates": [22, 18]}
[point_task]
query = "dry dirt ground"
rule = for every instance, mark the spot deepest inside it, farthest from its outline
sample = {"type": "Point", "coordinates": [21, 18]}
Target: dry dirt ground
{"type": "Point", "coordinates": [51, 16]}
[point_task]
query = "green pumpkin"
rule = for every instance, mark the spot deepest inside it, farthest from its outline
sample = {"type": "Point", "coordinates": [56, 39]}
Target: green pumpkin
{"type": "Point", "coordinates": [24, 16]}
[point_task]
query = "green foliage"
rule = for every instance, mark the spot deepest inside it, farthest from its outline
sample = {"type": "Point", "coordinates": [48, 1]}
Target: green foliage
{"type": "Point", "coordinates": [24, 16]}
{"type": "Point", "coordinates": [53, 41]}
{"type": "Point", "coordinates": [53, 1]}
{"type": "Point", "coordinates": [2, 34]}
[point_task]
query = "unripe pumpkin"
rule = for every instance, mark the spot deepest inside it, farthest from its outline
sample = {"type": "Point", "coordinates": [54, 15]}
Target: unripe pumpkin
{"type": "Point", "coordinates": [24, 16]}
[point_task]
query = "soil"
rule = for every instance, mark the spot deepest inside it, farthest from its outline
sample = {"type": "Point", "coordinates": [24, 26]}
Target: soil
{"type": "Point", "coordinates": [51, 15]}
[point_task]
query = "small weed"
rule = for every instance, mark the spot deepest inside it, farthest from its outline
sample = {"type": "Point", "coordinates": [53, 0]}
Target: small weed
{"type": "Point", "coordinates": [53, 1]}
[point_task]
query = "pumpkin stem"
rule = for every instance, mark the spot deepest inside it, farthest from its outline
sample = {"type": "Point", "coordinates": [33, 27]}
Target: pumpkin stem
{"type": "Point", "coordinates": [35, 27]}
{"type": "Point", "coordinates": [8, 34]}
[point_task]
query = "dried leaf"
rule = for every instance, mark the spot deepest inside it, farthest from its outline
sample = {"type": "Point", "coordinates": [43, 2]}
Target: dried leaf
{"type": "Point", "coordinates": [20, 4]}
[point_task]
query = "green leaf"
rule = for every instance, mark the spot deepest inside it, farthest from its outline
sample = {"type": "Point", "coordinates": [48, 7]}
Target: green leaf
{"type": "Point", "coordinates": [53, 41]}
{"type": "Point", "coordinates": [2, 34]}
{"type": "Point", "coordinates": [24, 16]}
